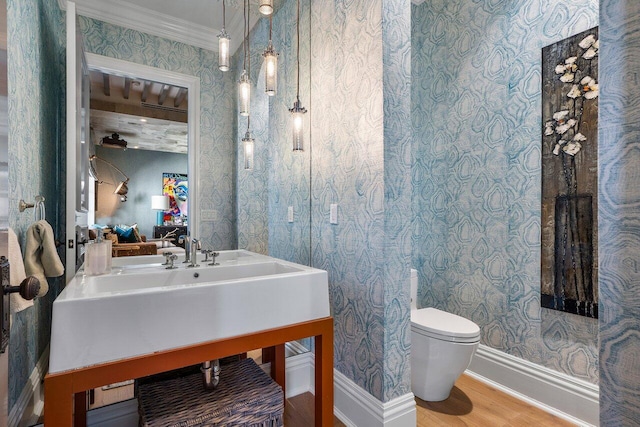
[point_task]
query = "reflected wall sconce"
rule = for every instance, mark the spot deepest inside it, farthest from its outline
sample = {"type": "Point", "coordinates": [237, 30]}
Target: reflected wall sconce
{"type": "Point", "coordinates": [266, 7]}
{"type": "Point", "coordinates": [223, 44]}
{"type": "Point", "coordinates": [271, 65]}
{"type": "Point", "coordinates": [298, 111]}
{"type": "Point", "coordinates": [122, 188]}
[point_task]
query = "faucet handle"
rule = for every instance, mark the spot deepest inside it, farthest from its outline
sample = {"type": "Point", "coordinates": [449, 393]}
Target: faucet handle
{"type": "Point", "coordinates": [207, 253]}
{"type": "Point", "coordinates": [214, 255]}
{"type": "Point", "coordinates": [171, 259]}
{"type": "Point", "coordinates": [166, 257]}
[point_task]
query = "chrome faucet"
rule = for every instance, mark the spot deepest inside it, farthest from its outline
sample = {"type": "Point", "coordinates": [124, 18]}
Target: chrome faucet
{"type": "Point", "coordinates": [186, 240]}
{"type": "Point", "coordinates": [195, 247]}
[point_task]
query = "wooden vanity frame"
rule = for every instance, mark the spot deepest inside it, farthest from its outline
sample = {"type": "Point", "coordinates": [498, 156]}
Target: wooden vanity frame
{"type": "Point", "coordinates": [62, 388]}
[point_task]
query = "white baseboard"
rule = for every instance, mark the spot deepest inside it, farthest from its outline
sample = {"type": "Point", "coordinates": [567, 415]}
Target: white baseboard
{"type": "Point", "coordinates": [356, 407]}
{"type": "Point", "coordinates": [29, 406]}
{"type": "Point", "coordinates": [564, 396]}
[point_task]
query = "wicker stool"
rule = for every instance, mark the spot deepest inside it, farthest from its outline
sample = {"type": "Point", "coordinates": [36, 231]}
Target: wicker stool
{"type": "Point", "coordinates": [245, 396]}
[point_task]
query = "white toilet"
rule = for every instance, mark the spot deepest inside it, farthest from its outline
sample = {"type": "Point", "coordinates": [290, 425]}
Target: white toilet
{"type": "Point", "coordinates": [442, 345]}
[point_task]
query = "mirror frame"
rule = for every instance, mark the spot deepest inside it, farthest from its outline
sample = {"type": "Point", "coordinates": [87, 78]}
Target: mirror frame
{"type": "Point", "coordinates": [192, 83]}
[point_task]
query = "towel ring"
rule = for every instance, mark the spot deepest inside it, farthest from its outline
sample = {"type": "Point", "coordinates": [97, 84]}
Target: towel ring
{"type": "Point", "coordinates": [39, 212]}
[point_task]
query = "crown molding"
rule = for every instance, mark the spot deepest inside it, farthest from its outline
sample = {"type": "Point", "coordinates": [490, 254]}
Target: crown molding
{"type": "Point", "coordinates": [121, 13]}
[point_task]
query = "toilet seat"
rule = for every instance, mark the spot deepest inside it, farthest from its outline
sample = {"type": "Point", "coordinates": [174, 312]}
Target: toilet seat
{"type": "Point", "coordinates": [441, 325]}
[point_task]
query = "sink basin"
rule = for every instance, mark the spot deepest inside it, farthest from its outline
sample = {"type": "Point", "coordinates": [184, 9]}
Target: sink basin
{"type": "Point", "coordinates": [145, 309]}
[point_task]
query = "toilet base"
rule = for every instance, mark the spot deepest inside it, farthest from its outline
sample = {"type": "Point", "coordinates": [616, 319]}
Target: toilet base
{"type": "Point", "coordinates": [436, 365]}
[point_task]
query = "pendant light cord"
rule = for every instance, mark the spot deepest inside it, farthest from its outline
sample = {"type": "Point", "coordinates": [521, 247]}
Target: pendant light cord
{"type": "Point", "coordinates": [248, 45]}
{"type": "Point", "coordinates": [270, 25]}
{"type": "Point", "coordinates": [244, 30]}
{"type": "Point", "coordinates": [224, 14]}
{"type": "Point", "coordinates": [298, 49]}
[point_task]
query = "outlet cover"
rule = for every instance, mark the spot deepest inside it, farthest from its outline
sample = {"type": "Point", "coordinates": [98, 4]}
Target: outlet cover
{"type": "Point", "coordinates": [290, 214]}
{"type": "Point", "coordinates": [333, 213]}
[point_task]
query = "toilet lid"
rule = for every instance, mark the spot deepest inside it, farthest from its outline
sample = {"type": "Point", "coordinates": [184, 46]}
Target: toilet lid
{"type": "Point", "coordinates": [432, 321]}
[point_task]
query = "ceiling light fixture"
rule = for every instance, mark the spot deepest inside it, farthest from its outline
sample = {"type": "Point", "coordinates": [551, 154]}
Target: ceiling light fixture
{"type": "Point", "coordinates": [244, 85]}
{"type": "Point", "coordinates": [223, 44]}
{"type": "Point", "coordinates": [270, 65]}
{"type": "Point", "coordinates": [298, 111]}
{"type": "Point", "coordinates": [266, 7]}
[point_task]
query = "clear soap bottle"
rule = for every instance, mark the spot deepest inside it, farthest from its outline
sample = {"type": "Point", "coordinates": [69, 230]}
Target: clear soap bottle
{"type": "Point", "coordinates": [97, 259]}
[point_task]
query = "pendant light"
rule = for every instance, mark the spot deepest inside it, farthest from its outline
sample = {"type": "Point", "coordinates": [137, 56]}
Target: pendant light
{"type": "Point", "coordinates": [298, 111]}
{"type": "Point", "coordinates": [266, 7]}
{"type": "Point", "coordinates": [270, 65]}
{"type": "Point", "coordinates": [247, 147]}
{"type": "Point", "coordinates": [244, 85]}
{"type": "Point", "coordinates": [223, 44]}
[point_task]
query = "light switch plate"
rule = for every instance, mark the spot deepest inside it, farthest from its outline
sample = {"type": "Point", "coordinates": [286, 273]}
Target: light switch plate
{"type": "Point", "coordinates": [290, 214]}
{"type": "Point", "coordinates": [333, 213]}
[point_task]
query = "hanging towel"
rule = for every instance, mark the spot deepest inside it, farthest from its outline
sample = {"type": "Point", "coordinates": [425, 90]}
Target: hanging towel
{"type": "Point", "coordinates": [16, 273]}
{"type": "Point", "coordinates": [40, 256]}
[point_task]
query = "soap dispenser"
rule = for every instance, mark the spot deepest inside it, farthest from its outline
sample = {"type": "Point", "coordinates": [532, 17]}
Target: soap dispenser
{"type": "Point", "coordinates": [97, 259]}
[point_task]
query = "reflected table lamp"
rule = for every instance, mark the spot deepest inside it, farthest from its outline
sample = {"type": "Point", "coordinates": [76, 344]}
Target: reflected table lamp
{"type": "Point", "coordinates": [161, 204]}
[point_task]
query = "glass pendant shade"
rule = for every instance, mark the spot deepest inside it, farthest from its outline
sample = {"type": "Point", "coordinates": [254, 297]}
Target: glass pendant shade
{"type": "Point", "coordinates": [266, 7]}
{"type": "Point", "coordinates": [244, 94]}
{"type": "Point", "coordinates": [270, 70]}
{"type": "Point", "coordinates": [297, 119]}
{"type": "Point", "coordinates": [223, 51]}
{"type": "Point", "coordinates": [247, 144]}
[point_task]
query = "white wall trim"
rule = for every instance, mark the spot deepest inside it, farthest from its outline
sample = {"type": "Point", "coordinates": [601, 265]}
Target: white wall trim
{"type": "Point", "coordinates": [127, 15]}
{"type": "Point", "coordinates": [564, 396]}
{"type": "Point", "coordinates": [29, 405]}
{"type": "Point", "coordinates": [356, 407]}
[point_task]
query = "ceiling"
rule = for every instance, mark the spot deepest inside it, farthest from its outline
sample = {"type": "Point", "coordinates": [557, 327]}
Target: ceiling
{"type": "Point", "coordinates": [147, 115]}
{"type": "Point", "coordinates": [195, 22]}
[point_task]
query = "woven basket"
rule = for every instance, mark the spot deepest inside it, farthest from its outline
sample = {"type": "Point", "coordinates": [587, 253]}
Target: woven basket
{"type": "Point", "coordinates": [245, 396]}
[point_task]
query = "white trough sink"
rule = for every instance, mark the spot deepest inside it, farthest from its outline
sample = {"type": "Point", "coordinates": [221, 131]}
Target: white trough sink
{"type": "Point", "coordinates": [148, 309]}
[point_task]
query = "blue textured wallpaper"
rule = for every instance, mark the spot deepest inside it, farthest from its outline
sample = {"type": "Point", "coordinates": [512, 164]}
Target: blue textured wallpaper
{"type": "Point", "coordinates": [619, 214]}
{"type": "Point", "coordinates": [36, 157]}
{"type": "Point", "coordinates": [280, 177]}
{"type": "Point", "coordinates": [476, 177]}
{"type": "Point", "coordinates": [217, 156]}
{"type": "Point", "coordinates": [360, 160]}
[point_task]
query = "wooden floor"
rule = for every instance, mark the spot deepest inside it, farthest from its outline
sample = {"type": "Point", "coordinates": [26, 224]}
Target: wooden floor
{"type": "Point", "coordinates": [472, 403]}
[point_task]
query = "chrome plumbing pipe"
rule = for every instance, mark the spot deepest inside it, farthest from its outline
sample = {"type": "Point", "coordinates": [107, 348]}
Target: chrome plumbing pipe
{"type": "Point", "coordinates": [210, 374]}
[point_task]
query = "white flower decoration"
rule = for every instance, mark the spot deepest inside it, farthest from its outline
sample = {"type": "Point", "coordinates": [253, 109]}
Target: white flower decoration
{"type": "Point", "coordinates": [579, 137]}
{"type": "Point", "coordinates": [567, 78]}
{"type": "Point", "coordinates": [572, 148]}
{"type": "Point", "coordinates": [590, 53]}
{"type": "Point", "coordinates": [587, 41]}
{"type": "Point", "coordinates": [556, 150]}
{"type": "Point", "coordinates": [560, 115]}
{"type": "Point", "coordinates": [574, 92]}
{"type": "Point", "coordinates": [592, 94]}
{"type": "Point", "coordinates": [571, 60]}
{"type": "Point", "coordinates": [560, 69]}
{"type": "Point", "coordinates": [562, 129]}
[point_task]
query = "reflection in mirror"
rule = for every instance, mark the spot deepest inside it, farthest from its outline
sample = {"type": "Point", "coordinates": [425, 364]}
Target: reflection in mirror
{"type": "Point", "coordinates": [143, 131]}
{"type": "Point", "coordinates": [139, 137]}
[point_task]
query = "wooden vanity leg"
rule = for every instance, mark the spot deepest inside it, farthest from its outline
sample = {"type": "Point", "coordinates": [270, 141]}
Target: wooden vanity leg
{"type": "Point", "coordinates": [324, 377]}
{"type": "Point", "coordinates": [80, 409]}
{"type": "Point", "coordinates": [278, 367]}
{"type": "Point", "coordinates": [58, 397]}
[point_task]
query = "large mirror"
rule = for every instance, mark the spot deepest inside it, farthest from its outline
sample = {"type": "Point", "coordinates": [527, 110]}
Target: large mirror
{"type": "Point", "coordinates": [143, 137]}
